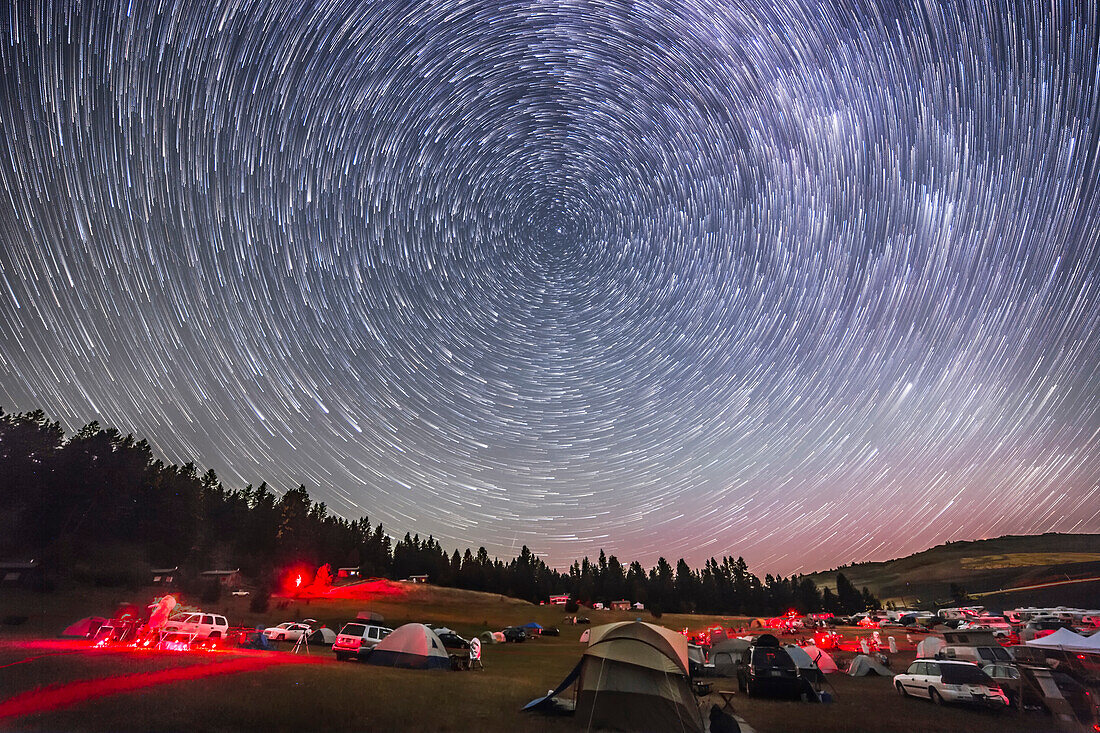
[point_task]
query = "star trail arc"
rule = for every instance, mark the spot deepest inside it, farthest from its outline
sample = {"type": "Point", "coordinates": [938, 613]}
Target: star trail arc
{"type": "Point", "coordinates": [632, 275]}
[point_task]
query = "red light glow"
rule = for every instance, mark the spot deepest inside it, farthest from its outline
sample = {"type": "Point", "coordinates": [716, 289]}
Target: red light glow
{"type": "Point", "coordinates": [56, 697]}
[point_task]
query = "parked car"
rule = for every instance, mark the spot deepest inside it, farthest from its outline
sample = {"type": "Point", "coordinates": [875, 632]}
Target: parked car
{"type": "Point", "coordinates": [1040, 627]}
{"type": "Point", "coordinates": [356, 639]}
{"type": "Point", "coordinates": [515, 634]}
{"type": "Point", "coordinates": [287, 631]}
{"type": "Point", "coordinates": [451, 640]}
{"type": "Point", "coordinates": [767, 669]}
{"type": "Point", "coordinates": [944, 680]}
{"type": "Point", "coordinates": [1009, 678]}
{"type": "Point", "coordinates": [198, 626]}
{"type": "Point", "coordinates": [991, 622]}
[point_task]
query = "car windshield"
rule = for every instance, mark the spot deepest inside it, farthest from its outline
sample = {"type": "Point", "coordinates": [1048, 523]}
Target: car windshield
{"type": "Point", "coordinates": [964, 674]}
{"type": "Point", "coordinates": [353, 629]}
{"type": "Point", "coordinates": [766, 657]}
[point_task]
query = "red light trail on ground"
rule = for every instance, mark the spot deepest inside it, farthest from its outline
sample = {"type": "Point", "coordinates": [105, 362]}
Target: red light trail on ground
{"type": "Point", "coordinates": [56, 697]}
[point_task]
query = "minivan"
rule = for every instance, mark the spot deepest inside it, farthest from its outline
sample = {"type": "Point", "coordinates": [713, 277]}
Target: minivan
{"type": "Point", "coordinates": [767, 669]}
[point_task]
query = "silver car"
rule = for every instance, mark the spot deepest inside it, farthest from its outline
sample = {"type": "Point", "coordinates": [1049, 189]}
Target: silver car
{"type": "Point", "coordinates": [943, 680]}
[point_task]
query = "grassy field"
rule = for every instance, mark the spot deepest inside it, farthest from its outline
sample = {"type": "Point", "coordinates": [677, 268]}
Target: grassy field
{"type": "Point", "coordinates": [331, 696]}
{"type": "Point", "coordinates": [981, 566]}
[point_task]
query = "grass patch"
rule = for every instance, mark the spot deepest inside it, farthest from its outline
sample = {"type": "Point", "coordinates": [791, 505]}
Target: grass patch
{"type": "Point", "coordinates": [1027, 559]}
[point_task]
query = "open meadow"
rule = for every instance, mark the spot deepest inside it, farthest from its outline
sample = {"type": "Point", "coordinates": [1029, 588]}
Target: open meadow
{"type": "Point", "coordinates": [48, 684]}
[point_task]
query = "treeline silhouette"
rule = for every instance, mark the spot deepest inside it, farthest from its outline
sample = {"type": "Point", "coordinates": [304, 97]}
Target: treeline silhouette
{"type": "Point", "coordinates": [99, 508]}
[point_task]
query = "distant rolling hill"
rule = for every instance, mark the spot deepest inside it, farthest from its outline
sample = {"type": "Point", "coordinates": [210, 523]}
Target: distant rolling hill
{"type": "Point", "coordinates": [1006, 572]}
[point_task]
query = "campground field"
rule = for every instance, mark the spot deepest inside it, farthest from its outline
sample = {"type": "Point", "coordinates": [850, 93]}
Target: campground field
{"type": "Point", "coordinates": [47, 684]}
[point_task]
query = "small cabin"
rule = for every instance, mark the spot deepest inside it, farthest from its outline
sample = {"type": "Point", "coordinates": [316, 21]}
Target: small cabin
{"type": "Point", "coordinates": [164, 577]}
{"type": "Point", "coordinates": [620, 605]}
{"type": "Point", "coordinates": [20, 574]}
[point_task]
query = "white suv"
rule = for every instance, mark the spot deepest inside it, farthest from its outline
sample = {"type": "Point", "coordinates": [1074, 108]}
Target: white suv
{"type": "Point", "coordinates": [198, 626]}
{"type": "Point", "coordinates": [357, 638]}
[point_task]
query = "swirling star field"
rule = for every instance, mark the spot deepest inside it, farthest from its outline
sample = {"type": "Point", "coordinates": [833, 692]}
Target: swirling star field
{"type": "Point", "coordinates": [804, 282]}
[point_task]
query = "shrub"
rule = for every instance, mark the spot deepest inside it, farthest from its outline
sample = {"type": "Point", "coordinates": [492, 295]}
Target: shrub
{"type": "Point", "coordinates": [211, 592]}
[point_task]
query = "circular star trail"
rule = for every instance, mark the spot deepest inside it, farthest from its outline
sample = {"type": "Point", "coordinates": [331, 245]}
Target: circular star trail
{"type": "Point", "coordinates": [803, 282]}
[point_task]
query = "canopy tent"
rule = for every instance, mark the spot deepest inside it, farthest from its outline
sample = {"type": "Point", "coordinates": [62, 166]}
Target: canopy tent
{"type": "Point", "coordinates": [930, 646]}
{"type": "Point", "coordinates": [821, 658]}
{"type": "Point", "coordinates": [863, 665]}
{"type": "Point", "coordinates": [1065, 640]}
{"type": "Point", "coordinates": [633, 676]}
{"type": "Point", "coordinates": [487, 637]}
{"type": "Point", "coordinates": [412, 646]}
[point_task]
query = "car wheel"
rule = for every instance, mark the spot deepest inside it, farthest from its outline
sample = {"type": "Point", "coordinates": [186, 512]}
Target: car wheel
{"type": "Point", "coordinates": [901, 689]}
{"type": "Point", "coordinates": [215, 634]}
{"type": "Point", "coordinates": [280, 637]}
{"type": "Point", "coordinates": [341, 657]}
{"type": "Point", "coordinates": [934, 696]}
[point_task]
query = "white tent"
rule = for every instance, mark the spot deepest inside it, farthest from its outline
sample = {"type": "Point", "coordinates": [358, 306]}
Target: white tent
{"type": "Point", "coordinates": [412, 646]}
{"type": "Point", "coordinates": [805, 663]}
{"type": "Point", "coordinates": [821, 658]}
{"type": "Point", "coordinates": [929, 646]}
{"type": "Point", "coordinates": [1092, 643]}
{"type": "Point", "coordinates": [863, 665]}
{"type": "Point", "coordinates": [1063, 639]}
{"type": "Point", "coordinates": [321, 636]}
{"type": "Point", "coordinates": [800, 656]}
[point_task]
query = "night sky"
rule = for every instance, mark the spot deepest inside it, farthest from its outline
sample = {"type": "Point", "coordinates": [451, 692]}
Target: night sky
{"type": "Point", "coordinates": [804, 282]}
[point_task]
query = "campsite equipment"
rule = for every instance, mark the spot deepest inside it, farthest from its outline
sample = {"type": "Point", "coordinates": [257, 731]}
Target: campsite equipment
{"type": "Point", "coordinates": [864, 665]}
{"type": "Point", "coordinates": [323, 636]}
{"type": "Point", "coordinates": [632, 676]}
{"type": "Point", "coordinates": [725, 656]}
{"type": "Point", "coordinates": [805, 663]}
{"type": "Point", "coordinates": [85, 627]}
{"type": "Point", "coordinates": [930, 646]}
{"type": "Point", "coordinates": [1066, 640]}
{"type": "Point", "coordinates": [821, 658]}
{"type": "Point", "coordinates": [767, 668]}
{"type": "Point", "coordinates": [412, 646]}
